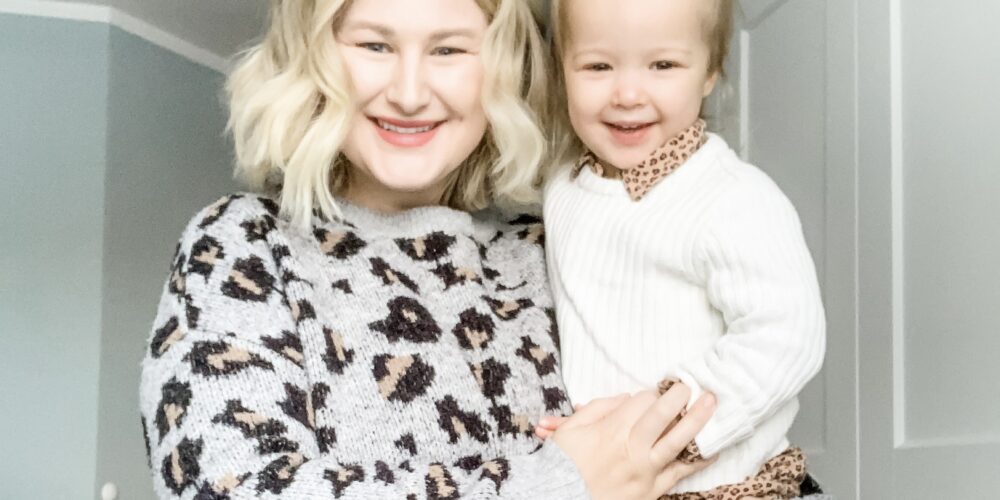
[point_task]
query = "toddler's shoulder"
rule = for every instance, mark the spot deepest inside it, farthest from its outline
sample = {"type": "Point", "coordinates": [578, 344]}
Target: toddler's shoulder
{"type": "Point", "coordinates": [744, 187]}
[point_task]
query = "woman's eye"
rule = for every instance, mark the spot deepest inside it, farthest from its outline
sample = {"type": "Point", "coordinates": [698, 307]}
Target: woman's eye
{"type": "Point", "coordinates": [447, 51]}
{"type": "Point", "coordinates": [663, 65]}
{"type": "Point", "coordinates": [379, 47]}
{"type": "Point", "coordinates": [597, 67]}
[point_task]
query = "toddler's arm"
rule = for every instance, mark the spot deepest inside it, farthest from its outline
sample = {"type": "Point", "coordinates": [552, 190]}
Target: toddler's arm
{"type": "Point", "coordinates": [759, 274]}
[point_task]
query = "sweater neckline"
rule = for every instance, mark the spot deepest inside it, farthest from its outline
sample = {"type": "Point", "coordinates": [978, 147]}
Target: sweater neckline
{"type": "Point", "coordinates": [594, 183]}
{"type": "Point", "coordinates": [410, 222]}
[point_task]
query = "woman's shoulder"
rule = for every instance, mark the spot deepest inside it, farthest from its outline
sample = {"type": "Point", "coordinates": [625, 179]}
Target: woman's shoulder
{"type": "Point", "coordinates": [234, 221]}
{"type": "Point", "coordinates": [224, 262]}
{"type": "Point", "coordinates": [512, 248]}
{"type": "Point", "coordinates": [232, 209]}
{"type": "Point", "coordinates": [518, 223]}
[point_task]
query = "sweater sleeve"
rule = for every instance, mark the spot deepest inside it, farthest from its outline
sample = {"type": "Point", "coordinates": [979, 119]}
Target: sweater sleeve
{"type": "Point", "coordinates": [759, 275]}
{"type": "Point", "coordinates": [228, 409]}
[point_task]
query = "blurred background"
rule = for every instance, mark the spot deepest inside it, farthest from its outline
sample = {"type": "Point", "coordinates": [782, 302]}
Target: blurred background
{"type": "Point", "coordinates": [111, 137]}
{"type": "Point", "coordinates": [874, 116]}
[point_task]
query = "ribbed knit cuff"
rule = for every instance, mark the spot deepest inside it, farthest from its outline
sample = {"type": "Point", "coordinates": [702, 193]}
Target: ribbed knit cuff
{"type": "Point", "coordinates": [729, 424]}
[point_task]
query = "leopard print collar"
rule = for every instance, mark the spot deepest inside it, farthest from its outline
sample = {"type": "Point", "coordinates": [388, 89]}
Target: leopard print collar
{"type": "Point", "coordinates": [661, 163]}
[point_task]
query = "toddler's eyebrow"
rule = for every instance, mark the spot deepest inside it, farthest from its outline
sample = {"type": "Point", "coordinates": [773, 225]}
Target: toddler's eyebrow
{"type": "Point", "coordinates": [675, 50]}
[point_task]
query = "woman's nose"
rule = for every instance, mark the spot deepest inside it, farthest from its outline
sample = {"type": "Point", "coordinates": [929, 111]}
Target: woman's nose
{"type": "Point", "coordinates": [409, 90]}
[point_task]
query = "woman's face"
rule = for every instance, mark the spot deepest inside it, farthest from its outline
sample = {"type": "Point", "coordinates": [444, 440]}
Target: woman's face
{"type": "Point", "coordinates": [418, 80]}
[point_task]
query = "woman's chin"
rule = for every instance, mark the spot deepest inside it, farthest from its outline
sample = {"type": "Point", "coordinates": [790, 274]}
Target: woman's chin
{"type": "Point", "coordinates": [411, 182]}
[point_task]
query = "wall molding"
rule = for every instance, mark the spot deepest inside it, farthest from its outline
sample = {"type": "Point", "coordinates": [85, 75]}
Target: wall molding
{"type": "Point", "coordinates": [897, 190]}
{"type": "Point", "coordinates": [110, 15]}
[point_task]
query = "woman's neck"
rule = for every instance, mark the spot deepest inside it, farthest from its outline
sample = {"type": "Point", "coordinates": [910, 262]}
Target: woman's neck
{"type": "Point", "coordinates": [363, 191]}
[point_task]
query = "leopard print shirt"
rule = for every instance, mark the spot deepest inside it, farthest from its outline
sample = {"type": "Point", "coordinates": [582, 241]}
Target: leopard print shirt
{"type": "Point", "coordinates": [382, 356]}
{"type": "Point", "coordinates": [778, 479]}
{"type": "Point", "coordinates": [662, 162]}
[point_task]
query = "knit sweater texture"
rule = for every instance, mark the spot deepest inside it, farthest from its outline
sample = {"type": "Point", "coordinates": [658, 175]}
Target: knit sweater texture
{"type": "Point", "coordinates": [706, 279]}
{"type": "Point", "coordinates": [381, 356]}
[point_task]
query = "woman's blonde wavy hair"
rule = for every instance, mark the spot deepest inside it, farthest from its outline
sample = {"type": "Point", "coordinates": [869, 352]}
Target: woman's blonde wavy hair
{"type": "Point", "coordinates": [291, 108]}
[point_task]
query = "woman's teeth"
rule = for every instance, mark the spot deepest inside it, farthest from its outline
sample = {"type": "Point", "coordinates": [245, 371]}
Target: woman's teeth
{"type": "Point", "coordinates": [404, 130]}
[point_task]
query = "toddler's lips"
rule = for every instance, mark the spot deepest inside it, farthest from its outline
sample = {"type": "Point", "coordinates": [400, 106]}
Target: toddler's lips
{"type": "Point", "coordinates": [629, 133]}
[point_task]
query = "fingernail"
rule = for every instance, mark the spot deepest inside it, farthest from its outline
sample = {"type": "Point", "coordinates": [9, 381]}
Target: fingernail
{"type": "Point", "coordinates": [710, 400]}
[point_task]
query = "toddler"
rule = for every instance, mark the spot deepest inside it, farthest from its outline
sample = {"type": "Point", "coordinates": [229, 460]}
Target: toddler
{"type": "Point", "coordinates": [670, 258]}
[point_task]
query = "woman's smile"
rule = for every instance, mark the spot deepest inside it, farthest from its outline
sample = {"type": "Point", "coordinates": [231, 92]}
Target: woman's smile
{"type": "Point", "coordinates": [406, 133]}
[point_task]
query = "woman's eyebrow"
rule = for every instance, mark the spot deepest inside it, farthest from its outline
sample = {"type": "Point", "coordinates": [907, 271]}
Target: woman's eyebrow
{"type": "Point", "coordinates": [366, 25]}
{"type": "Point", "coordinates": [460, 32]}
{"type": "Point", "coordinates": [387, 32]}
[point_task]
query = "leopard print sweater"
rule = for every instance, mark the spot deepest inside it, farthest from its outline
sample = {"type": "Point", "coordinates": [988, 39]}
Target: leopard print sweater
{"type": "Point", "coordinates": [381, 356]}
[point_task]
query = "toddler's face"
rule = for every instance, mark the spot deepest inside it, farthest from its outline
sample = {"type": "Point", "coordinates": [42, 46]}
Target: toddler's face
{"type": "Point", "coordinates": [636, 73]}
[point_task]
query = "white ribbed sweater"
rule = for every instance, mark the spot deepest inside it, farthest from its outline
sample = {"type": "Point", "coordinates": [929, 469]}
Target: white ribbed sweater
{"type": "Point", "coordinates": [707, 279]}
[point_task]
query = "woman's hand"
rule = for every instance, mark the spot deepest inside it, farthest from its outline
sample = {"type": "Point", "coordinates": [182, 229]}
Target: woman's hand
{"type": "Point", "coordinates": [626, 447]}
{"type": "Point", "coordinates": [548, 425]}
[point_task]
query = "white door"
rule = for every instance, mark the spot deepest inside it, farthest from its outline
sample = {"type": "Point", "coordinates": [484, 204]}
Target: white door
{"type": "Point", "coordinates": [877, 118]}
{"type": "Point", "coordinates": [929, 280]}
{"type": "Point", "coordinates": [782, 106]}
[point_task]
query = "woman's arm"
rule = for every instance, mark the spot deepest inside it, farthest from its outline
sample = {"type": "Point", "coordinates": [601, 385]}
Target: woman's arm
{"type": "Point", "coordinates": [229, 411]}
{"type": "Point", "coordinates": [248, 433]}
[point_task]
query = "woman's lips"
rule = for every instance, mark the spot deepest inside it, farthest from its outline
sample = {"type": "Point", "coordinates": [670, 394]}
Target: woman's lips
{"type": "Point", "coordinates": [629, 133]}
{"type": "Point", "coordinates": [405, 134]}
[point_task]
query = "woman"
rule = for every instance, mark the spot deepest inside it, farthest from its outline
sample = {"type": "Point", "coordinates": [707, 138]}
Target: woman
{"type": "Point", "coordinates": [361, 333]}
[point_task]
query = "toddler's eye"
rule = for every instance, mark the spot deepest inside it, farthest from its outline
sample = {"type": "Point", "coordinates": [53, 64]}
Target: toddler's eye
{"type": "Point", "coordinates": [381, 48]}
{"type": "Point", "coordinates": [663, 65]}
{"type": "Point", "coordinates": [597, 67]}
{"type": "Point", "coordinates": [447, 51]}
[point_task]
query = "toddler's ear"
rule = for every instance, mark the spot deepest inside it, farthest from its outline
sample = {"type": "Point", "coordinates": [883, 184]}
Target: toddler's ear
{"type": "Point", "coordinates": [710, 84]}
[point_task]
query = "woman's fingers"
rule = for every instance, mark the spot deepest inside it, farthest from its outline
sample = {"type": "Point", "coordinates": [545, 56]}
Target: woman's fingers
{"type": "Point", "coordinates": [676, 471]}
{"type": "Point", "coordinates": [552, 422]}
{"type": "Point", "coordinates": [595, 410]}
{"type": "Point", "coordinates": [543, 433]}
{"type": "Point", "coordinates": [661, 414]}
{"type": "Point", "coordinates": [547, 425]}
{"type": "Point", "coordinates": [670, 445]}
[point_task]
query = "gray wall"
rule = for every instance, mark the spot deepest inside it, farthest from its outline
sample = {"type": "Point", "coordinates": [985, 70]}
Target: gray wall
{"type": "Point", "coordinates": [166, 158]}
{"type": "Point", "coordinates": [53, 96]}
{"type": "Point", "coordinates": [109, 145]}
